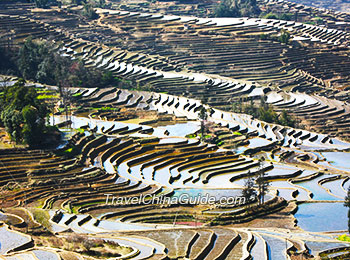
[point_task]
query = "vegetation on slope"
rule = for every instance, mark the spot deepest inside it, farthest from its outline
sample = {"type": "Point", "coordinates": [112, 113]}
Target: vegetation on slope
{"type": "Point", "coordinates": [23, 115]}
{"type": "Point", "coordinates": [264, 112]}
{"type": "Point", "coordinates": [38, 61]}
{"type": "Point", "coordinates": [237, 8]}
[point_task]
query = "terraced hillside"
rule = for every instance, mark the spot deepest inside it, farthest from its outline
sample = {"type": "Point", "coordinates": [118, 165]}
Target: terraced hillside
{"type": "Point", "coordinates": [114, 187]}
{"type": "Point", "coordinates": [172, 61]}
{"type": "Point", "coordinates": [127, 164]}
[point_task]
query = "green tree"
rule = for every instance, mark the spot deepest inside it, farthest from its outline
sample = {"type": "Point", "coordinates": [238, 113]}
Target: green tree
{"type": "Point", "coordinates": [22, 114]}
{"type": "Point", "coordinates": [34, 125]}
{"type": "Point", "coordinates": [27, 59]}
{"type": "Point", "coordinates": [7, 62]}
{"type": "Point", "coordinates": [12, 120]}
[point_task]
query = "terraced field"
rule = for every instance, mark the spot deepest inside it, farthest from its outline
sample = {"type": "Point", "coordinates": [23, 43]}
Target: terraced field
{"type": "Point", "coordinates": [150, 142]}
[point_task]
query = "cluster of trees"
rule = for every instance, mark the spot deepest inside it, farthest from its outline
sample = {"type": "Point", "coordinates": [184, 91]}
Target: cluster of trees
{"type": "Point", "coordinates": [38, 61]}
{"type": "Point", "coordinates": [23, 115]}
{"type": "Point", "coordinates": [263, 112]}
{"type": "Point", "coordinates": [237, 8]}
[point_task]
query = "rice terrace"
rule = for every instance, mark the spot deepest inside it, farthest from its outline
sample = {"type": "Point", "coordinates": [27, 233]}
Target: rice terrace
{"type": "Point", "coordinates": [163, 129]}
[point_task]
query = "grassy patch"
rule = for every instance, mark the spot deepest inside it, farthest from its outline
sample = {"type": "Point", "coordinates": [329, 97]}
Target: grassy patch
{"type": "Point", "coordinates": [45, 96]}
{"type": "Point", "coordinates": [205, 136]}
{"type": "Point", "coordinates": [80, 130]}
{"type": "Point", "coordinates": [344, 237]}
{"type": "Point", "coordinates": [42, 217]}
{"type": "Point", "coordinates": [237, 133]}
{"type": "Point", "coordinates": [69, 150]}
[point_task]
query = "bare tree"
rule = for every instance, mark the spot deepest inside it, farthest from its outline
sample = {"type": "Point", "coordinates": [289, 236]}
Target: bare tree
{"type": "Point", "coordinates": [203, 116]}
{"type": "Point", "coordinates": [347, 204]}
{"type": "Point", "coordinates": [262, 183]}
{"type": "Point", "coordinates": [249, 192]}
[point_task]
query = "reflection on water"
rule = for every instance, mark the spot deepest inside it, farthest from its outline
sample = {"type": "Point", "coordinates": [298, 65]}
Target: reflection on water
{"type": "Point", "coordinates": [179, 130]}
{"type": "Point", "coordinates": [317, 217]}
{"type": "Point", "coordinates": [318, 192]}
{"type": "Point", "coordinates": [335, 188]}
{"type": "Point", "coordinates": [340, 160]}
